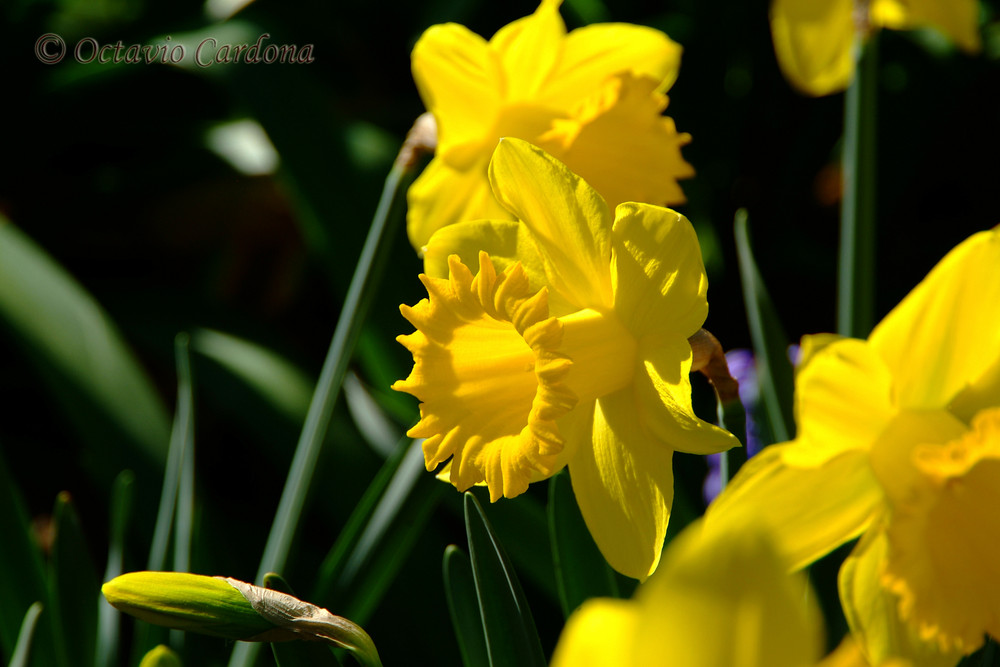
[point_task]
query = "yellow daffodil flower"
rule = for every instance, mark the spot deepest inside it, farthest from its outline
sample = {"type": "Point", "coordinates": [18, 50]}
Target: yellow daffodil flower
{"type": "Point", "coordinates": [593, 98]}
{"type": "Point", "coordinates": [569, 347]}
{"type": "Point", "coordinates": [814, 39]}
{"type": "Point", "coordinates": [716, 601]}
{"type": "Point", "coordinates": [899, 442]}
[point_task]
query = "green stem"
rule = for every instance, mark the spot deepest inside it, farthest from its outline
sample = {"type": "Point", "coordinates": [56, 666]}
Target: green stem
{"type": "Point", "coordinates": [856, 283]}
{"type": "Point", "coordinates": [310, 443]}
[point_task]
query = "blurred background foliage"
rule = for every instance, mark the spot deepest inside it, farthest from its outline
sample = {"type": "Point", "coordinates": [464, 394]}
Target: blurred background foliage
{"type": "Point", "coordinates": [123, 176]}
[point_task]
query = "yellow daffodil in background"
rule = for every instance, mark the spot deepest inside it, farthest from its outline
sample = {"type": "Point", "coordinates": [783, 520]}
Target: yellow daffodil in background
{"type": "Point", "coordinates": [716, 601]}
{"type": "Point", "coordinates": [814, 39]}
{"type": "Point", "coordinates": [899, 442]}
{"type": "Point", "coordinates": [569, 347]}
{"type": "Point", "coordinates": [593, 98]}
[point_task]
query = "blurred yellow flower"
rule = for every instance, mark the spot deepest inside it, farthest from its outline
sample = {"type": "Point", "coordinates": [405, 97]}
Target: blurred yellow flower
{"type": "Point", "coordinates": [593, 98]}
{"type": "Point", "coordinates": [899, 442]}
{"type": "Point", "coordinates": [717, 600]}
{"type": "Point", "coordinates": [569, 347]}
{"type": "Point", "coordinates": [813, 39]}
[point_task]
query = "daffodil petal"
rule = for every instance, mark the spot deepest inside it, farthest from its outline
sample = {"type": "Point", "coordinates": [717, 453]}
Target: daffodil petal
{"type": "Point", "coordinates": [703, 608]}
{"type": "Point", "coordinates": [872, 611]}
{"type": "Point", "coordinates": [843, 401]}
{"type": "Point", "coordinates": [621, 124]}
{"type": "Point", "coordinates": [657, 272]}
{"type": "Point", "coordinates": [811, 510]}
{"type": "Point", "coordinates": [442, 195]}
{"type": "Point", "coordinates": [813, 42]}
{"type": "Point", "coordinates": [663, 397]}
{"type": "Point", "coordinates": [594, 53]}
{"type": "Point", "coordinates": [958, 19]}
{"type": "Point", "coordinates": [623, 484]}
{"type": "Point", "coordinates": [945, 334]}
{"type": "Point", "coordinates": [528, 49]}
{"type": "Point", "coordinates": [505, 241]}
{"type": "Point", "coordinates": [459, 78]}
{"type": "Point", "coordinates": [599, 633]}
{"type": "Point", "coordinates": [570, 223]}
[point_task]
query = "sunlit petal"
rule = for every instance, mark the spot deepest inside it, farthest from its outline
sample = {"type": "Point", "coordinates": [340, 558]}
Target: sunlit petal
{"type": "Point", "coordinates": [600, 633]}
{"type": "Point", "coordinates": [570, 223]}
{"type": "Point", "coordinates": [528, 48]}
{"type": "Point", "coordinates": [442, 192]}
{"type": "Point", "coordinates": [663, 400]}
{"type": "Point", "coordinates": [594, 53]}
{"type": "Point", "coordinates": [811, 510]}
{"type": "Point", "coordinates": [945, 334]}
{"type": "Point", "coordinates": [620, 124]}
{"type": "Point", "coordinates": [623, 484]}
{"type": "Point", "coordinates": [843, 401]}
{"type": "Point", "coordinates": [459, 79]}
{"type": "Point", "coordinates": [657, 272]}
{"type": "Point", "coordinates": [704, 607]}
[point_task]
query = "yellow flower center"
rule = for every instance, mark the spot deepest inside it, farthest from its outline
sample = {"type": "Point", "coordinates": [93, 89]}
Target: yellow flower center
{"type": "Point", "coordinates": [943, 534]}
{"type": "Point", "coordinates": [603, 354]}
{"type": "Point", "coordinates": [489, 378]}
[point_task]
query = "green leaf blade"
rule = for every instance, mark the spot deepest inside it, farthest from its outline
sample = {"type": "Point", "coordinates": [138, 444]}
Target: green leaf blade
{"type": "Point", "coordinates": [511, 637]}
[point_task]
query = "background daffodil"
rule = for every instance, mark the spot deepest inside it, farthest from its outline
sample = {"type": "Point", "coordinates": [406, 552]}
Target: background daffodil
{"type": "Point", "coordinates": [569, 347]}
{"type": "Point", "coordinates": [899, 442]}
{"type": "Point", "coordinates": [593, 98]}
{"type": "Point", "coordinates": [716, 601]}
{"type": "Point", "coordinates": [813, 39]}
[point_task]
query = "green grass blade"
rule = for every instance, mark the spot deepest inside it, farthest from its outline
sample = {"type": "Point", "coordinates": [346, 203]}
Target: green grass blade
{"type": "Point", "coordinates": [526, 526]}
{"type": "Point", "coordinates": [463, 607]}
{"type": "Point", "coordinates": [511, 637]}
{"type": "Point", "coordinates": [63, 328]}
{"type": "Point", "coordinates": [770, 344]}
{"type": "Point", "coordinates": [581, 571]}
{"type": "Point", "coordinates": [856, 266]}
{"type": "Point", "coordinates": [733, 418]}
{"type": "Point", "coordinates": [108, 619]}
{"type": "Point", "coordinates": [271, 376]}
{"type": "Point", "coordinates": [75, 591]}
{"type": "Point", "coordinates": [373, 553]}
{"type": "Point", "coordinates": [333, 565]}
{"type": "Point", "coordinates": [21, 559]}
{"type": "Point", "coordinates": [184, 515]}
{"type": "Point", "coordinates": [331, 378]}
{"type": "Point", "coordinates": [22, 650]}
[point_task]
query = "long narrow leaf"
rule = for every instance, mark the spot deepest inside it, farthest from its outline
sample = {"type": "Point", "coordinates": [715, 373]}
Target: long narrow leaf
{"type": "Point", "coordinates": [270, 375]}
{"type": "Point", "coordinates": [511, 637]}
{"type": "Point", "coordinates": [63, 327]}
{"type": "Point", "coordinates": [75, 591]}
{"type": "Point", "coordinates": [331, 378]}
{"type": "Point", "coordinates": [21, 559]}
{"type": "Point", "coordinates": [581, 571]}
{"type": "Point", "coordinates": [770, 343]}
{"type": "Point", "coordinates": [463, 606]}
{"type": "Point", "coordinates": [184, 516]}
{"type": "Point", "coordinates": [856, 265]}
{"type": "Point", "coordinates": [22, 650]}
{"type": "Point", "coordinates": [108, 618]}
